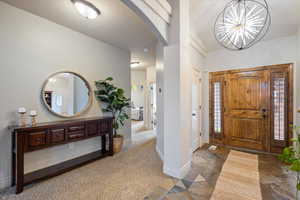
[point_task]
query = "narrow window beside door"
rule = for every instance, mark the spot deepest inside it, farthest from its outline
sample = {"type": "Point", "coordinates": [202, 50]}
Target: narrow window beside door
{"type": "Point", "coordinates": [217, 107]}
{"type": "Point", "coordinates": [279, 108]}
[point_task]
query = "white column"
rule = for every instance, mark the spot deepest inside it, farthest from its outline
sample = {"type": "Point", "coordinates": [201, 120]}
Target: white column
{"type": "Point", "coordinates": [177, 93]}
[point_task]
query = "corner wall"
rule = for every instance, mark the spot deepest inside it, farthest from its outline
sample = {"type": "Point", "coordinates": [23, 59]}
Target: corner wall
{"type": "Point", "coordinates": [32, 48]}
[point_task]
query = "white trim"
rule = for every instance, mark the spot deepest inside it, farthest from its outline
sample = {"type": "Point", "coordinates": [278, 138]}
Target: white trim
{"type": "Point", "coordinates": [178, 173]}
{"type": "Point", "coordinates": [198, 45]}
{"type": "Point", "coordinates": [160, 154]}
{"type": "Point", "coordinates": [157, 8]}
{"type": "Point", "coordinates": [5, 182]}
{"type": "Point", "coordinates": [165, 4]}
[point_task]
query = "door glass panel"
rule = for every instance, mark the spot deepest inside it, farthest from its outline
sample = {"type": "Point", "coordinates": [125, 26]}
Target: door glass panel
{"type": "Point", "coordinates": [217, 107]}
{"type": "Point", "coordinates": [279, 108]}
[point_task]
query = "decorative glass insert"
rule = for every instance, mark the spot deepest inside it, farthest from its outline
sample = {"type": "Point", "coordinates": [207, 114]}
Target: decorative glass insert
{"type": "Point", "coordinates": [279, 108]}
{"type": "Point", "coordinates": [217, 107]}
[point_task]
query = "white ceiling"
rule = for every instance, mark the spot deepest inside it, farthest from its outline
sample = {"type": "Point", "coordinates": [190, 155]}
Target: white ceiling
{"type": "Point", "coordinates": [117, 24]}
{"type": "Point", "coordinates": [285, 19]}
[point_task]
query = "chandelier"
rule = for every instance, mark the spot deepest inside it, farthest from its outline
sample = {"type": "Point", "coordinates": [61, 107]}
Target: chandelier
{"type": "Point", "coordinates": [242, 24]}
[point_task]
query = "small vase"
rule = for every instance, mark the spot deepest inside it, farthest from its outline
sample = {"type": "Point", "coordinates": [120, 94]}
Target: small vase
{"type": "Point", "coordinates": [33, 120]}
{"type": "Point", "coordinates": [22, 119]}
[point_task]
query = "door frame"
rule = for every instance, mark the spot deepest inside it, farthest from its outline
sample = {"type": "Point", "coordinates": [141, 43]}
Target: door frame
{"type": "Point", "coordinates": [198, 73]}
{"type": "Point", "coordinates": [220, 76]}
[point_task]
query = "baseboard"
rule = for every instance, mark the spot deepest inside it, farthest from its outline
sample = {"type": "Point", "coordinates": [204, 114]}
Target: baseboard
{"type": "Point", "coordinates": [160, 154]}
{"type": "Point", "coordinates": [5, 182]}
{"type": "Point", "coordinates": [181, 173]}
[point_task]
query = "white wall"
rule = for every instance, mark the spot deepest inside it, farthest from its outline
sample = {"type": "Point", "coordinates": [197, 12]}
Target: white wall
{"type": "Point", "coordinates": [278, 51]}
{"type": "Point", "coordinates": [197, 60]}
{"type": "Point", "coordinates": [138, 80]}
{"type": "Point", "coordinates": [31, 49]}
{"type": "Point", "coordinates": [160, 99]}
{"type": "Point", "coordinates": [177, 93]}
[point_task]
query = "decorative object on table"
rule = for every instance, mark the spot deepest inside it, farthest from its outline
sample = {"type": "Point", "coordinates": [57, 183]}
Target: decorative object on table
{"type": "Point", "coordinates": [291, 156]}
{"type": "Point", "coordinates": [22, 119]}
{"type": "Point", "coordinates": [116, 103]}
{"type": "Point", "coordinates": [242, 24]}
{"type": "Point", "coordinates": [33, 115]}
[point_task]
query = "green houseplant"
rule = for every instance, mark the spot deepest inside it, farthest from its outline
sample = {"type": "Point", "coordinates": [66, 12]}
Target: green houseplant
{"type": "Point", "coordinates": [114, 102]}
{"type": "Point", "coordinates": [291, 156]}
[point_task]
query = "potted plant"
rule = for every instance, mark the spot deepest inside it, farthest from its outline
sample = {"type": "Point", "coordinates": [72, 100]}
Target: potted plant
{"type": "Point", "coordinates": [117, 104]}
{"type": "Point", "coordinates": [291, 156]}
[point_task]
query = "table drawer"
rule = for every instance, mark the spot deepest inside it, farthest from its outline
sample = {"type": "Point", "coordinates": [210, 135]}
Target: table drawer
{"type": "Point", "coordinates": [76, 135]}
{"type": "Point", "coordinates": [76, 128]}
{"type": "Point", "coordinates": [37, 139]}
{"type": "Point", "coordinates": [58, 135]}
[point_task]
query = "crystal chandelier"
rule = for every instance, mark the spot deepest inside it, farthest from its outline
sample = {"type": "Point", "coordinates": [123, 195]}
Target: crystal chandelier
{"type": "Point", "coordinates": [242, 24]}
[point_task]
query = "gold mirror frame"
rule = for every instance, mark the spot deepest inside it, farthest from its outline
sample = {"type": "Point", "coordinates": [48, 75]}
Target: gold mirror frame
{"type": "Point", "coordinates": [68, 116]}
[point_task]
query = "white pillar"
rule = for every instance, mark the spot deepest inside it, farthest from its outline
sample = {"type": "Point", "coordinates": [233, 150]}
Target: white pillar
{"type": "Point", "coordinates": [177, 93]}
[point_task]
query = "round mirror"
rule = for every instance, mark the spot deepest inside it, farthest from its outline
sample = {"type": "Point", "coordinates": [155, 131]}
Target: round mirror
{"type": "Point", "coordinates": [66, 94]}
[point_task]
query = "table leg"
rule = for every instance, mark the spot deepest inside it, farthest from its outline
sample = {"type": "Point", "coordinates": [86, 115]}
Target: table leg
{"type": "Point", "coordinates": [103, 138]}
{"type": "Point", "coordinates": [111, 144]}
{"type": "Point", "coordinates": [13, 159]}
{"type": "Point", "coordinates": [19, 163]}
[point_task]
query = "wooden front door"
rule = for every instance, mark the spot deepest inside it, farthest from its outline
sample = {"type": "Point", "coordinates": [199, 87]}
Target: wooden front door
{"type": "Point", "coordinates": [247, 109]}
{"type": "Point", "coordinates": [252, 108]}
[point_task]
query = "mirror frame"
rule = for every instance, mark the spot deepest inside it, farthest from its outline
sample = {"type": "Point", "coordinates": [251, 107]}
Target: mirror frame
{"type": "Point", "coordinates": [68, 116]}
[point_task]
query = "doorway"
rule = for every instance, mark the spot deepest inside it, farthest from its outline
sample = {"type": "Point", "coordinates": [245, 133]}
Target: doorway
{"type": "Point", "coordinates": [152, 111]}
{"type": "Point", "coordinates": [196, 110]}
{"type": "Point", "coordinates": [252, 108]}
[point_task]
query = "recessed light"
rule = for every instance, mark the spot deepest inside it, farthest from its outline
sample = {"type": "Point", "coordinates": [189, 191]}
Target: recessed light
{"type": "Point", "coordinates": [86, 9]}
{"type": "Point", "coordinates": [146, 50]}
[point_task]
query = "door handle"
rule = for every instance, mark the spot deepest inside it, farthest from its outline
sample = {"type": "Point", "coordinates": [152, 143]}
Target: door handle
{"type": "Point", "coordinates": [194, 114]}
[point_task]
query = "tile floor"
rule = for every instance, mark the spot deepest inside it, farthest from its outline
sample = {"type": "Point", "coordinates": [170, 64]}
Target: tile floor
{"type": "Point", "coordinates": [276, 181]}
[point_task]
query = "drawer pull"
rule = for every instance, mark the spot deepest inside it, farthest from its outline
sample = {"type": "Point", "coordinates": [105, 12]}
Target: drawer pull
{"type": "Point", "coordinates": [74, 136]}
{"type": "Point", "coordinates": [58, 130]}
{"type": "Point", "coordinates": [76, 128]}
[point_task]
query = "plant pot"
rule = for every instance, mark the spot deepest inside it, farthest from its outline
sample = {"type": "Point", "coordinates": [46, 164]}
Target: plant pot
{"type": "Point", "coordinates": [118, 143]}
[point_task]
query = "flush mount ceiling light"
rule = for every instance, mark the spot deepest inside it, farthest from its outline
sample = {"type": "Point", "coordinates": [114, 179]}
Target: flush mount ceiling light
{"type": "Point", "coordinates": [242, 24]}
{"type": "Point", "coordinates": [86, 9]}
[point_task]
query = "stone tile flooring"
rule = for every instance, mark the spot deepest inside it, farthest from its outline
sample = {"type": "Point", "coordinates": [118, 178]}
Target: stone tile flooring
{"type": "Point", "coordinates": [277, 183]}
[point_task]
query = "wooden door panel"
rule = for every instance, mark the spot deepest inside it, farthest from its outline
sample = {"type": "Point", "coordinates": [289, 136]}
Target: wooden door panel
{"type": "Point", "coordinates": [246, 114]}
{"type": "Point", "coordinates": [245, 93]}
{"type": "Point", "coordinates": [246, 129]}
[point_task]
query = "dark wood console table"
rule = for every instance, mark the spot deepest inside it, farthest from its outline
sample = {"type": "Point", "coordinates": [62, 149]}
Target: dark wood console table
{"type": "Point", "coordinates": [45, 135]}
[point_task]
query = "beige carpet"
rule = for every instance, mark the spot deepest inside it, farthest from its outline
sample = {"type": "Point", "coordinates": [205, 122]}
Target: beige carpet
{"type": "Point", "coordinates": [239, 179]}
{"type": "Point", "coordinates": [130, 175]}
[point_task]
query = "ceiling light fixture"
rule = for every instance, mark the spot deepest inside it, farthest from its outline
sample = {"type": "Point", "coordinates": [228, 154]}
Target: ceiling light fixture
{"type": "Point", "coordinates": [86, 9]}
{"type": "Point", "coordinates": [242, 24]}
{"type": "Point", "coordinates": [135, 64]}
